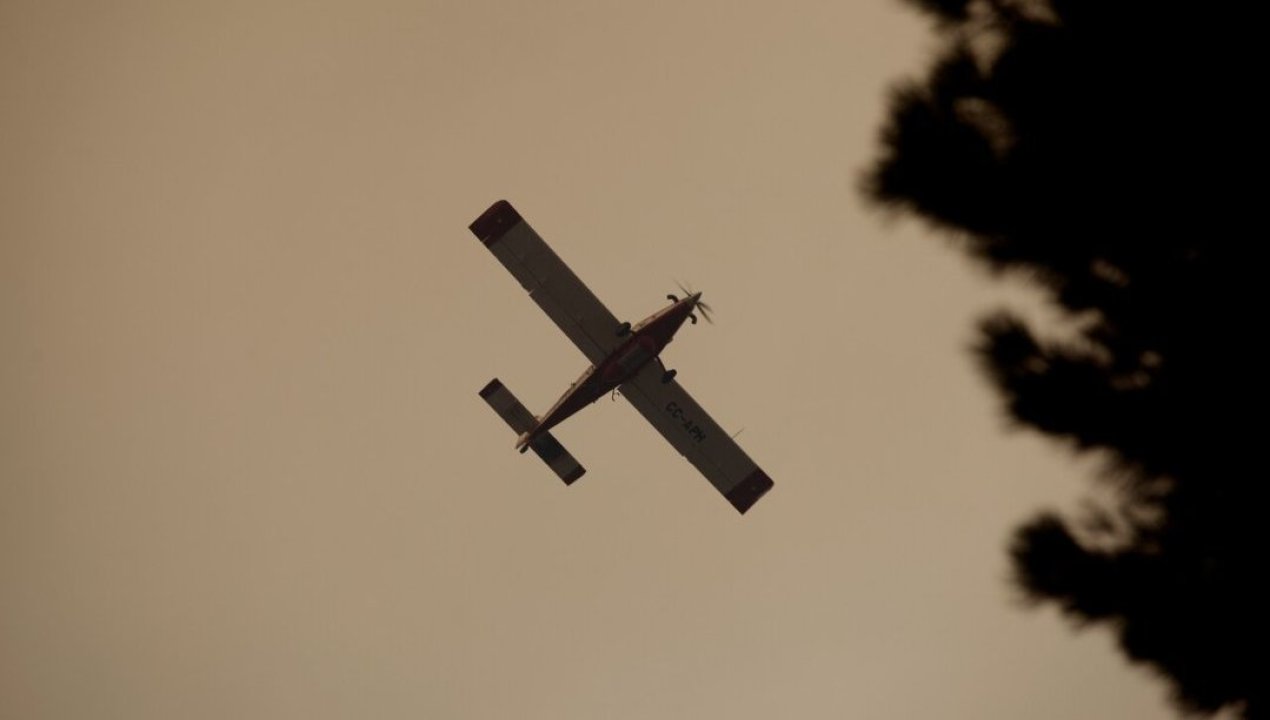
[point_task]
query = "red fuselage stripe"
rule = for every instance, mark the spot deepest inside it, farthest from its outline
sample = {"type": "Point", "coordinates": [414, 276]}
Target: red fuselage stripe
{"type": "Point", "coordinates": [645, 343]}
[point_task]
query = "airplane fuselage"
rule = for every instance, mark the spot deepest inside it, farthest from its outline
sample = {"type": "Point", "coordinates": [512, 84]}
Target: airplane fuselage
{"type": "Point", "coordinates": [643, 344]}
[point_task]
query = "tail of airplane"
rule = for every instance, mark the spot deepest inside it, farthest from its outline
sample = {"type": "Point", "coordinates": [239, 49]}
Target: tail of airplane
{"type": "Point", "coordinates": [522, 422]}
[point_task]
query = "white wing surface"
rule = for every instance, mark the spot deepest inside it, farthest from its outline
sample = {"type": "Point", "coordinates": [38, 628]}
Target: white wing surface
{"type": "Point", "coordinates": [697, 437]}
{"type": "Point", "coordinates": [551, 284]}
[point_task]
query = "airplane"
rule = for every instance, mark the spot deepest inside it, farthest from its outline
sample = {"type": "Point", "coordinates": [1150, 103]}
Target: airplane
{"type": "Point", "coordinates": [624, 357]}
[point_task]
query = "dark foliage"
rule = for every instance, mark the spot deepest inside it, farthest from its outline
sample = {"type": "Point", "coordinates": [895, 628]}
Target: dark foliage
{"type": "Point", "coordinates": [1103, 150]}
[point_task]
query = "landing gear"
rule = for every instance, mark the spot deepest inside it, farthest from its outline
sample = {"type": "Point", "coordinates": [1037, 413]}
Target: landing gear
{"type": "Point", "coordinates": [672, 298]}
{"type": "Point", "coordinates": [624, 329]}
{"type": "Point", "coordinates": [693, 318]}
{"type": "Point", "coordinates": [668, 376]}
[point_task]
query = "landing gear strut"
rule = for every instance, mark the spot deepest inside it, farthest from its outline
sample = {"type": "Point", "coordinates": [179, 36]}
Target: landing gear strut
{"type": "Point", "coordinates": [668, 376]}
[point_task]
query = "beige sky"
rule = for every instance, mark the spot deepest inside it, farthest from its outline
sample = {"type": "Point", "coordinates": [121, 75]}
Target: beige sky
{"type": "Point", "coordinates": [244, 471]}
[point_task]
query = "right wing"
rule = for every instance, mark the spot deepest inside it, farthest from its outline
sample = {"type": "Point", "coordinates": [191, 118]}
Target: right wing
{"type": "Point", "coordinates": [551, 284]}
{"type": "Point", "coordinates": [697, 436]}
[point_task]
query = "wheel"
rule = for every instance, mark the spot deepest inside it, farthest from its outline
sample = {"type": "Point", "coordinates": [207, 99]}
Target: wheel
{"type": "Point", "coordinates": [624, 329]}
{"type": "Point", "coordinates": [668, 376]}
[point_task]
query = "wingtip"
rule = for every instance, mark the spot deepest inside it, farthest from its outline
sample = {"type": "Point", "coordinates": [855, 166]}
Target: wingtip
{"type": "Point", "coordinates": [490, 388]}
{"type": "Point", "coordinates": [748, 491]}
{"type": "Point", "coordinates": [577, 472]}
{"type": "Point", "coordinates": [495, 222]}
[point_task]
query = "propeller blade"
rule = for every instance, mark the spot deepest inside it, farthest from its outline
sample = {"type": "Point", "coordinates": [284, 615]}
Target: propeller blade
{"type": "Point", "coordinates": [705, 311]}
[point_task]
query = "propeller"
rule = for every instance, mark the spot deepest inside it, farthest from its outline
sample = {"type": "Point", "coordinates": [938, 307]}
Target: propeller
{"type": "Point", "coordinates": [701, 305]}
{"type": "Point", "coordinates": [705, 311]}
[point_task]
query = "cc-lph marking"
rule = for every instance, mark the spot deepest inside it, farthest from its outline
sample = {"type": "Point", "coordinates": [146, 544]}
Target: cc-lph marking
{"type": "Point", "coordinates": [676, 412]}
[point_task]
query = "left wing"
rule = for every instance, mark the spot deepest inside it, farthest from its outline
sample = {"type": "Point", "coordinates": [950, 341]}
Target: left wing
{"type": "Point", "coordinates": [697, 437]}
{"type": "Point", "coordinates": [551, 284]}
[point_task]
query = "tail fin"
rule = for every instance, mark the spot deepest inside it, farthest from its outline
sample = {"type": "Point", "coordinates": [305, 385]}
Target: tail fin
{"type": "Point", "coordinates": [522, 422]}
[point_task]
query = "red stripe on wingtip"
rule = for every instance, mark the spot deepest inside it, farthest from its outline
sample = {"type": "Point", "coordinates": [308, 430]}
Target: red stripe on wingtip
{"type": "Point", "coordinates": [578, 472]}
{"type": "Point", "coordinates": [748, 491]}
{"type": "Point", "coordinates": [491, 387]}
{"type": "Point", "coordinates": [495, 222]}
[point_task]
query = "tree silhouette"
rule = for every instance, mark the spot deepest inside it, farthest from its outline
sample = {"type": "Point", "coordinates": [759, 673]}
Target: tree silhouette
{"type": "Point", "coordinates": [1095, 148]}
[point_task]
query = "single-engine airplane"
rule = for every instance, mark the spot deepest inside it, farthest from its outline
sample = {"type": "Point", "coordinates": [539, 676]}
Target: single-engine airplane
{"type": "Point", "coordinates": [623, 356]}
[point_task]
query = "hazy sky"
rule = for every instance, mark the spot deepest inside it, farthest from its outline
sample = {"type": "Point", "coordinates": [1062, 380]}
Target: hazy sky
{"type": "Point", "coordinates": [244, 471]}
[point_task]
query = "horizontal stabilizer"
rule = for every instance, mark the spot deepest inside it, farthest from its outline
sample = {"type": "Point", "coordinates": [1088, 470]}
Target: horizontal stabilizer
{"type": "Point", "coordinates": [547, 447]}
{"type": "Point", "coordinates": [507, 406]}
{"type": "Point", "coordinates": [521, 421]}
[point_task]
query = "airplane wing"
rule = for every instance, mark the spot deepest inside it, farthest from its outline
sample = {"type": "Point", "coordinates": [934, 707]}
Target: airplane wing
{"type": "Point", "coordinates": [551, 284]}
{"type": "Point", "coordinates": [697, 436]}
